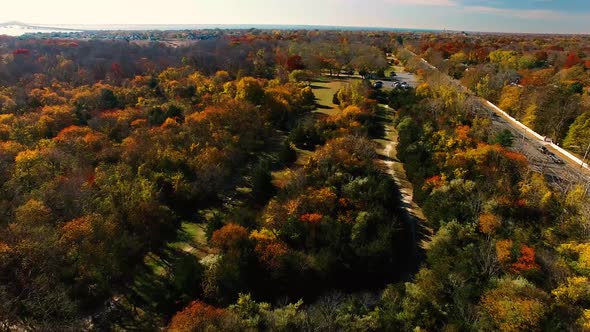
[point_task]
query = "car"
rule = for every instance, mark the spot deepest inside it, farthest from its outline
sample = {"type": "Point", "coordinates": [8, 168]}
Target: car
{"type": "Point", "coordinates": [555, 159]}
{"type": "Point", "coordinates": [543, 149]}
{"type": "Point", "coordinates": [378, 85]}
{"type": "Point", "coordinates": [392, 74]}
{"type": "Point", "coordinates": [396, 84]}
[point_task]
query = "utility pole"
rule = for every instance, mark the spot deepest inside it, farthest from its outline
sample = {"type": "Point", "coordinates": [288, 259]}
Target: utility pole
{"type": "Point", "coordinates": [585, 155]}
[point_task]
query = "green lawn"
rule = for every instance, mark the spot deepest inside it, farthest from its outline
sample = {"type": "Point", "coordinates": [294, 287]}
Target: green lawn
{"type": "Point", "coordinates": [324, 92]}
{"type": "Point", "coordinates": [324, 89]}
{"type": "Point", "coordinates": [192, 239]}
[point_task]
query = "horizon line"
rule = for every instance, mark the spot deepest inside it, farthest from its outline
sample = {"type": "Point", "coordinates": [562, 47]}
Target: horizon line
{"type": "Point", "coordinates": [253, 25]}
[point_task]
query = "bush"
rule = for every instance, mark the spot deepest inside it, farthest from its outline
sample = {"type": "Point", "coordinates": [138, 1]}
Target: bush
{"type": "Point", "coordinates": [504, 138]}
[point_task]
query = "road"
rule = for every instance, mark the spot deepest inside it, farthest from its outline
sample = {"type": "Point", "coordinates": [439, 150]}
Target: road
{"type": "Point", "coordinates": [528, 142]}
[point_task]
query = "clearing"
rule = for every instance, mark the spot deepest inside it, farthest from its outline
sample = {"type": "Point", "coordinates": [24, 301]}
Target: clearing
{"type": "Point", "coordinates": [324, 91]}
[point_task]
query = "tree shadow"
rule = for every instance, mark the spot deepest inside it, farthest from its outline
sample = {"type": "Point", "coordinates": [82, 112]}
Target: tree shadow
{"type": "Point", "coordinates": [323, 107]}
{"type": "Point", "coordinates": [165, 283]}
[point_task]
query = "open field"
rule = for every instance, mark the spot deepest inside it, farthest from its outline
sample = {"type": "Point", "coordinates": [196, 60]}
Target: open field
{"type": "Point", "coordinates": [324, 91]}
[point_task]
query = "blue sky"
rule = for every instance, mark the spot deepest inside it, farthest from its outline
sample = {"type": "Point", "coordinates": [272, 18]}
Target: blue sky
{"type": "Point", "coordinates": [559, 16]}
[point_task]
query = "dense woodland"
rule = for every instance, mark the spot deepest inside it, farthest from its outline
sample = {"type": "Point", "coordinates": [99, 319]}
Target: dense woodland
{"type": "Point", "coordinates": [110, 149]}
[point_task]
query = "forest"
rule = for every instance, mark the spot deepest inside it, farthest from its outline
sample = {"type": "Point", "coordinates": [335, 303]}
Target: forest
{"type": "Point", "coordinates": [200, 184]}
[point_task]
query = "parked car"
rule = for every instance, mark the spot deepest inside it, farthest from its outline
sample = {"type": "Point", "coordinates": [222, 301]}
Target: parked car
{"type": "Point", "coordinates": [555, 159]}
{"type": "Point", "coordinates": [378, 85]}
{"type": "Point", "coordinates": [543, 149]}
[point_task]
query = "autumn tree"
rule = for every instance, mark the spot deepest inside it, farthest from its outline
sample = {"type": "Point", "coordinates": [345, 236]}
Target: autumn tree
{"type": "Point", "coordinates": [514, 305]}
{"type": "Point", "coordinates": [198, 316]}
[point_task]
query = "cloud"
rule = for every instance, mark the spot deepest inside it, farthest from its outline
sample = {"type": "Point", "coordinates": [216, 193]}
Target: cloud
{"type": "Point", "coordinates": [537, 14]}
{"type": "Point", "coordinates": [438, 3]}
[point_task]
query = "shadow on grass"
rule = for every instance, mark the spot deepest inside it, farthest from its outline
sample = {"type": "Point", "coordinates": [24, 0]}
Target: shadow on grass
{"type": "Point", "coordinates": [167, 281]}
{"type": "Point", "coordinates": [323, 107]}
{"type": "Point", "coordinates": [170, 285]}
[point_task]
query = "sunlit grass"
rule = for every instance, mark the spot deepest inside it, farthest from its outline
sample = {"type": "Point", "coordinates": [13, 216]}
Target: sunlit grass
{"type": "Point", "coordinates": [324, 92]}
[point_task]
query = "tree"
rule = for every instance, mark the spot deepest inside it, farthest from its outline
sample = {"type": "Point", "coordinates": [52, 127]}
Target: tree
{"type": "Point", "coordinates": [578, 136]}
{"type": "Point", "coordinates": [489, 223]}
{"type": "Point", "coordinates": [197, 317]}
{"type": "Point", "coordinates": [504, 138]}
{"type": "Point", "coordinates": [572, 60]}
{"type": "Point", "coordinates": [506, 59]}
{"type": "Point", "coordinates": [287, 155]}
{"type": "Point", "coordinates": [32, 267]}
{"type": "Point", "coordinates": [514, 305]}
{"type": "Point", "coordinates": [295, 62]}
{"type": "Point", "coordinates": [230, 238]}
{"type": "Point", "coordinates": [250, 89]}
{"type": "Point", "coordinates": [108, 100]}
{"type": "Point", "coordinates": [510, 99]}
{"type": "Point", "coordinates": [575, 290]}
{"type": "Point", "coordinates": [300, 75]}
{"type": "Point", "coordinates": [526, 260]}
{"type": "Point", "coordinates": [262, 187]}
{"type": "Point", "coordinates": [527, 62]}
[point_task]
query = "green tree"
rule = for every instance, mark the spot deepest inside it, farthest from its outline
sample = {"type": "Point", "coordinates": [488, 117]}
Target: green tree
{"type": "Point", "coordinates": [504, 138]}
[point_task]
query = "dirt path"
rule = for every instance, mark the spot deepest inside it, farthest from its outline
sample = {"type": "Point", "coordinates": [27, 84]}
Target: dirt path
{"type": "Point", "coordinates": [414, 214]}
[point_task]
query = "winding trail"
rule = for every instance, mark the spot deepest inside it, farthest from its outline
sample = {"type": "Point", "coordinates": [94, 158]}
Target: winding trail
{"type": "Point", "coordinates": [414, 215]}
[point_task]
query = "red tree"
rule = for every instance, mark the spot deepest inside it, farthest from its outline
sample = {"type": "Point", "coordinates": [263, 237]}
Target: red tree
{"type": "Point", "coordinates": [295, 62]}
{"type": "Point", "coordinates": [572, 60]}
{"type": "Point", "coordinates": [230, 237]}
{"type": "Point", "coordinates": [197, 316]}
{"type": "Point", "coordinates": [526, 261]}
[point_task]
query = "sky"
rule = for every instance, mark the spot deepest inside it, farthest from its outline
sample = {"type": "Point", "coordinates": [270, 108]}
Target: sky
{"type": "Point", "coordinates": [557, 16]}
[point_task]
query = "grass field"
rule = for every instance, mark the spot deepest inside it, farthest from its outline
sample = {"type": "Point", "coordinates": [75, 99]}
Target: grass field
{"type": "Point", "coordinates": [324, 91]}
{"type": "Point", "coordinates": [192, 239]}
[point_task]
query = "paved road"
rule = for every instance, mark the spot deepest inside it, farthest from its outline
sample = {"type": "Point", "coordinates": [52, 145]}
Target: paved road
{"type": "Point", "coordinates": [528, 143]}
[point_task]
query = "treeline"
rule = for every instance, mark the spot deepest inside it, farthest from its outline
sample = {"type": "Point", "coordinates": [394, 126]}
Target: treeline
{"type": "Point", "coordinates": [268, 54]}
{"type": "Point", "coordinates": [541, 80]}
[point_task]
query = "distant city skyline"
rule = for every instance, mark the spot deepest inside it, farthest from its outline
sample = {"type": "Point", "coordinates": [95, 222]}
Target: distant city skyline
{"type": "Point", "coordinates": [556, 16]}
